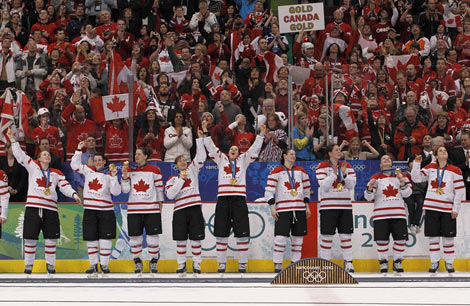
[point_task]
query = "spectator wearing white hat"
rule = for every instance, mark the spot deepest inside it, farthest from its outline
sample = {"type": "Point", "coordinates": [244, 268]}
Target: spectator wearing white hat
{"type": "Point", "coordinates": [52, 133]}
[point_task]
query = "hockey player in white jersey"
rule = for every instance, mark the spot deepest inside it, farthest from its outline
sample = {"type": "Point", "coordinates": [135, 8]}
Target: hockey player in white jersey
{"type": "Point", "coordinates": [188, 221]}
{"type": "Point", "coordinates": [388, 189]}
{"type": "Point", "coordinates": [41, 212]}
{"type": "Point", "coordinates": [442, 203]}
{"type": "Point", "coordinates": [337, 180]}
{"type": "Point", "coordinates": [231, 210]}
{"type": "Point", "coordinates": [291, 186]}
{"type": "Point", "coordinates": [145, 188]}
{"type": "Point", "coordinates": [99, 220]}
{"type": "Point", "coordinates": [4, 199]}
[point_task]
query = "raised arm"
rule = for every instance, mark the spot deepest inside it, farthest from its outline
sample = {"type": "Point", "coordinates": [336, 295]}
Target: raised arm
{"type": "Point", "coordinates": [76, 163]}
{"type": "Point", "coordinates": [418, 175]}
{"type": "Point", "coordinates": [253, 151]}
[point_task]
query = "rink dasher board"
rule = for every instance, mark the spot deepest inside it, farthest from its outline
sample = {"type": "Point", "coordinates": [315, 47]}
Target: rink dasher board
{"type": "Point", "coordinates": [217, 279]}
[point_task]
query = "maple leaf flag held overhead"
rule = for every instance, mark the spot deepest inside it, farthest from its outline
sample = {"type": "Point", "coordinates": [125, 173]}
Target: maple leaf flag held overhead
{"type": "Point", "coordinates": [110, 107]}
{"type": "Point", "coordinates": [395, 63]}
{"type": "Point", "coordinates": [118, 74]}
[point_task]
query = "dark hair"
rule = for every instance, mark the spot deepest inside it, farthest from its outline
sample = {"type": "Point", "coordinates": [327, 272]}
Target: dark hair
{"type": "Point", "coordinates": [178, 111]}
{"type": "Point", "coordinates": [330, 147]}
{"type": "Point", "coordinates": [103, 156]}
{"type": "Point", "coordinates": [146, 151]}
{"type": "Point", "coordinates": [146, 128]}
{"type": "Point", "coordinates": [178, 158]}
{"type": "Point", "coordinates": [44, 138]}
{"type": "Point", "coordinates": [285, 152]}
{"type": "Point", "coordinates": [147, 76]}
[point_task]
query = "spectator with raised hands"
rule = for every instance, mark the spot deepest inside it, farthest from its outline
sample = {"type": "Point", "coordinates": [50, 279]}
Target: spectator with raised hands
{"type": "Point", "coordinates": [355, 152]}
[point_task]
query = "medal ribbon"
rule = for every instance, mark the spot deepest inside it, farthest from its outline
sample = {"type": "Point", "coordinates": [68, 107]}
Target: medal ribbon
{"type": "Point", "coordinates": [340, 175]}
{"type": "Point", "coordinates": [233, 165]}
{"type": "Point", "coordinates": [440, 176]}
{"type": "Point", "coordinates": [46, 177]}
{"type": "Point", "coordinates": [291, 177]}
{"type": "Point", "coordinates": [388, 170]}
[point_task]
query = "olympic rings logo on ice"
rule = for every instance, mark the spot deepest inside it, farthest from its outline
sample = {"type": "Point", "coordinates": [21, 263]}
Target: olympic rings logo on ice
{"type": "Point", "coordinates": [314, 276]}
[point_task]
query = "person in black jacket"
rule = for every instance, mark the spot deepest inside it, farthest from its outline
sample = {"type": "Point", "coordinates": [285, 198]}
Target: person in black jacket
{"type": "Point", "coordinates": [461, 157]}
{"type": "Point", "coordinates": [17, 175]}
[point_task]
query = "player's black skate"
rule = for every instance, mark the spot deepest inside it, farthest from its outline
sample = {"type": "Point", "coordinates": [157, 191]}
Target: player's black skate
{"type": "Point", "coordinates": [196, 268]}
{"type": "Point", "coordinates": [92, 271]}
{"type": "Point", "coordinates": [28, 269]}
{"type": "Point", "coordinates": [153, 265]}
{"type": "Point", "coordinates": [383, 266]}
{"type": "Point", "coordinates": [397, 267]}
{"type": "Point", "coordinates": [138, 265]}
{"type": "Point", "coordinates": [450, 268]}
{"type": "Point", "coordinates": [348, 266]}
{"type": "Point", "coordinates": [434, 267]}
{"type": "Point", "coordinates": [104, 269]}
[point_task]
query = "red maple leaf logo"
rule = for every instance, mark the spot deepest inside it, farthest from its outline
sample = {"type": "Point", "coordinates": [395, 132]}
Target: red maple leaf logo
{"type": "Point", "coordinates": [95, 184]}
{"type": "Point", "coordinates": [164, 59]}
{"type": "Point", "coordinates": [289, 187]}
{"type": "Point", "coordinates": [141, 186]}
{"type": "Point", "coordinates": [434, 184]}
{"type": "Point", "coordinates": [228, 169]}
{"type": "Point", "coordinates": [217, 76]}
{"type": "Point", "coordinates": [390, 191]}
{"type": "Point", "coordinates": [117, 105]}
{"type": "Point", "coordinates": [187, 183]}
{"type": "Point", "coordinates": [42, 182]}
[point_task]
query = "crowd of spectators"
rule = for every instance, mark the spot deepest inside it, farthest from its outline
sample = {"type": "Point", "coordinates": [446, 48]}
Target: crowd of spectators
{"type": "Point", "coordinates": [218, 61]}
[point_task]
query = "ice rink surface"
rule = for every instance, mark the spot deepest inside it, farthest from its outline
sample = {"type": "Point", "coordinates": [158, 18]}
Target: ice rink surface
{"type": "Point", "coordinates": [231, 289]}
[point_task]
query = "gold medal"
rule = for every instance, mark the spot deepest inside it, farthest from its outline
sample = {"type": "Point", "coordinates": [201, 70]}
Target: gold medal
{"type": "Point", "coordinates": [293, 192]}
{"type": "Point", "coordinates": [397, 171]}
{"type": "Point", "coordinates": [339, 187]}
{"type": "Point", "coordinates": [47, 191]}
{"type": "Point", "coordinates": [111, 167]}
{"type": "Point", "coordinates": [440, 191]}
{"type": "Point", "coordinates": [184, 172]}
{"type": "Point", "coordinates": [125, 164]}
{"type": "Point", "coordinates": [233, 181]}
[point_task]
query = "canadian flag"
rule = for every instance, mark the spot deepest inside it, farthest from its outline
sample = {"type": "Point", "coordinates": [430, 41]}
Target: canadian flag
{"type": "Point", "coordinates": [110, 107]}
{"type": "Point", "coordinates": [215, 73]}
{"type": "Point", "coordinates": [118, 75]}
{"type": "Point", "coordinates": [395, 63]}
{"type": "Point", "coordinates": [347, 117]}
{"type": "Point", "coordinates": [433, 99]}
{"type": "Point", "coordinates": [7, 118]}
{"type": "Point", "coordinates": [273, 62]}
{"type": "Point", "coordinates": [15, 113]}
{"type": "Point", "coordinates": [177, 77]}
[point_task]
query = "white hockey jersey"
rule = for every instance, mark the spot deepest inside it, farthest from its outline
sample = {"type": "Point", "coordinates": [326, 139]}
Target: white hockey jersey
{"type": "Point", "coordinates": [145, 188]}
{"type": "Point", "coordinates": [452, 186]}
{"type": "Point", "coordinates": [225, 169]}
{"type": "Point", "coordinates": [186, 192]}
{"type": "Point", "coordinates": [331, 196]}
{"type": "Point", "coordinates": [4, 194]}
{"type": "Point", "coordinates": [279, 184]}
{"type": "Point", "coordinates": [37, 182]}
{"type": "Point", "coordinates": [388, 195]}
{"type": "Point", "coordinates": [98, 187]}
